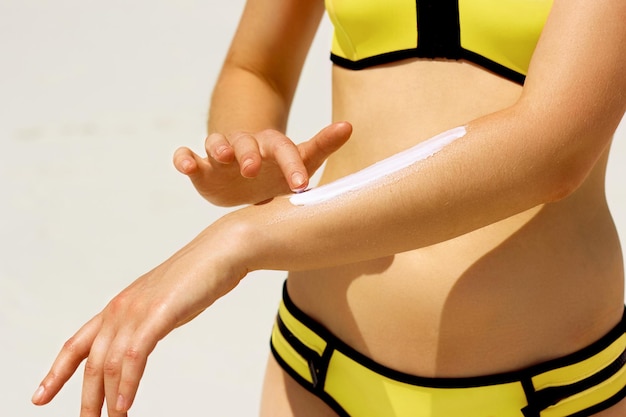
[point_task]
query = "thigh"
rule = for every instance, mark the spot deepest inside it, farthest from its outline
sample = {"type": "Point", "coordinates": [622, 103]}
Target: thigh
{"type": "Point", "coordinates": [284, 397]}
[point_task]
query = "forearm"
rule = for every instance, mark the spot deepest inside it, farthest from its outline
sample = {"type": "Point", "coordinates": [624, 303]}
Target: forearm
{"type": "Point", "coordinates": [244, 101]}
{"type": "Point", "coordinates": [479, 179]}
{"type": "Point", "coordinates": [261, 71]}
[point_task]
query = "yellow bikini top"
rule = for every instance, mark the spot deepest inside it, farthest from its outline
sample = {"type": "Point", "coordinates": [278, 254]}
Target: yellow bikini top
{"type": "Point", "coordinates": [499, 35]}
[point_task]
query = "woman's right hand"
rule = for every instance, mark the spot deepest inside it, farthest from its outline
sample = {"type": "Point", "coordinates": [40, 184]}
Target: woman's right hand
{"type": "Point", "coordinates": [116, 343]}
{"type": "Point", "coordinates": [249, 168]}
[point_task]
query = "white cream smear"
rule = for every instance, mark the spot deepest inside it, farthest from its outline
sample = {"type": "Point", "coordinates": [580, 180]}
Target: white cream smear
{"type": "Point", "coordinates": [378, 170]}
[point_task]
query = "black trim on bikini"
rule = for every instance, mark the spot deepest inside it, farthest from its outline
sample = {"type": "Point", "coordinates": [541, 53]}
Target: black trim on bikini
{"type": "Point", "coordinates": [608, 403]}
{"type": "Point", "coordinates": [438, 36]}
{"type": "Point", "coordinates": [318, 364]}
{"type": "Point", "coordinates": [390, 57]}
{"type": "Point", "coordinates": [544, 398]}
{"type": "Point", "coordinates": [320, 393]}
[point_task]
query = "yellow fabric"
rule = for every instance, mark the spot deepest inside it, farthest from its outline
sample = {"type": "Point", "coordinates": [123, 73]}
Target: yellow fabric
{"type": "Point", "coordinates": [580, 370]}
{"type": "Point", "coordinates": [309, 337]}
{"type": "Point", "coordinates": [306, 336]}
{"type": "Point", "coordinates": [363, 392]}
{"type": "Point", "coordinates": [502, 31]}
{"type": "Point", "coordinates": [585, 399]}
{"type": "Point", "coordinates": [365, 29]}
{"type": "Point", "coordinates": [289, 355]}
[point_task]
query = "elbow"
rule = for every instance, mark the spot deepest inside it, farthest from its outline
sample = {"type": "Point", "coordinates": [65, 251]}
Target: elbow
{"type": "Point", "coordinates": [575, 161]}
{"type": "Point", "coordinates": [560, 187]}
{"type": "Point", "coordinates": [560, 157]}
{"type": "Point", "coordinates": [565, 178]}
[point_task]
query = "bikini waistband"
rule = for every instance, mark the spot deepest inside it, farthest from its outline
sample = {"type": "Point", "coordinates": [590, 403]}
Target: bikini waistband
{"type": "Point", "coordinates": [578, 384]}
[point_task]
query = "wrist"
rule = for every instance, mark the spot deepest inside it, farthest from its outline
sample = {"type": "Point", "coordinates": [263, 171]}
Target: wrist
{"type": "Point", "coordinates": [257, 237]}
{"type": "Point", "coordinates": [233, 241]}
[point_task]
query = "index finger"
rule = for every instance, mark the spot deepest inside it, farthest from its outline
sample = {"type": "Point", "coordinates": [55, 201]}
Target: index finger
{"type": "Point", "coordinates": [74, 351]}
{"type": "Point", "coordinates": [287, 156]}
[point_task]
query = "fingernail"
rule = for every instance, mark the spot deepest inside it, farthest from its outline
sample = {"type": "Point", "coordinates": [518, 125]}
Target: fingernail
{"type": "Point", "coordinates": [119, 406]}
{"type": "Point", "coordinates": [38, 394]}
{"type": "Point", "coordinates": [297, 180]}
{"type": "Point", "coordinates": [246, 164]}
{"type": "Point", "coordinates": [185, 165]}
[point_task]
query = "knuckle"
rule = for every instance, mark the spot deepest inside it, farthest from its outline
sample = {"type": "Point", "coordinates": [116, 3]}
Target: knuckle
{"type": "Point", "coordinates": [111, 367]}
{"type": "Point", "coordinates": [71, 345]}
{"type": "Point", "coordinates": [117, 304]}
{"type": "Point", "coordinates": [215, 140]}
{"type": "Point", "coordinates": [88, 410]}
{"type": "Point", "coordinates": [133, 354]}
{"type": "Point", "coordinates": [283, 144]}
{"type": "Point", "coordinates": [214, 137]}
{"type": "Point", "coordinates": [269, 132]}
{"type": "Point", "coordinates": [51, 378]}
{"type": "Point", "coordinates": [238, 136]}
{"type": "Point", "coordinates": [91, 369]}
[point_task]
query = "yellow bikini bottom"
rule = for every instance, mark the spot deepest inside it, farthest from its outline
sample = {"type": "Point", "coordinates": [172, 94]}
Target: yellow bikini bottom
{"type": "Point", "coordinates": [579, 384]}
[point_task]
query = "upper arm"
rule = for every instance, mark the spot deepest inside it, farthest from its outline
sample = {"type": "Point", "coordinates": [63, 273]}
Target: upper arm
{"type": "Point", "coordinates": [573, 100]}
{"type": "Point", "coordinates": [273, 38]}
{"type": "Point", "coordinates": [576, 84]}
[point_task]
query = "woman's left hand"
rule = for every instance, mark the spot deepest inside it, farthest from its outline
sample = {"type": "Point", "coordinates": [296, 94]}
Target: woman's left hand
{"type": "Point", "coordinates": [118, 340]}
{"type": "Point", "coordinates": [248, 168]}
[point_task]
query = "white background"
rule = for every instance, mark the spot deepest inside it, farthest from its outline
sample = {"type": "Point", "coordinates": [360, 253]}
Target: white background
{"type": "Point", "coordinates": [94, 99]}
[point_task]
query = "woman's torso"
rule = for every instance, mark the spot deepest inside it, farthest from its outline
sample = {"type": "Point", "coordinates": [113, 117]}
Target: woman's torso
{"type": "Point", "coordinates": [532, 287]}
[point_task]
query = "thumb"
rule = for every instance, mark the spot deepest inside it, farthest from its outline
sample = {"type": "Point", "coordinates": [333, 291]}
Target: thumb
{"type": "Point", "coordinates": [328, 140]}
